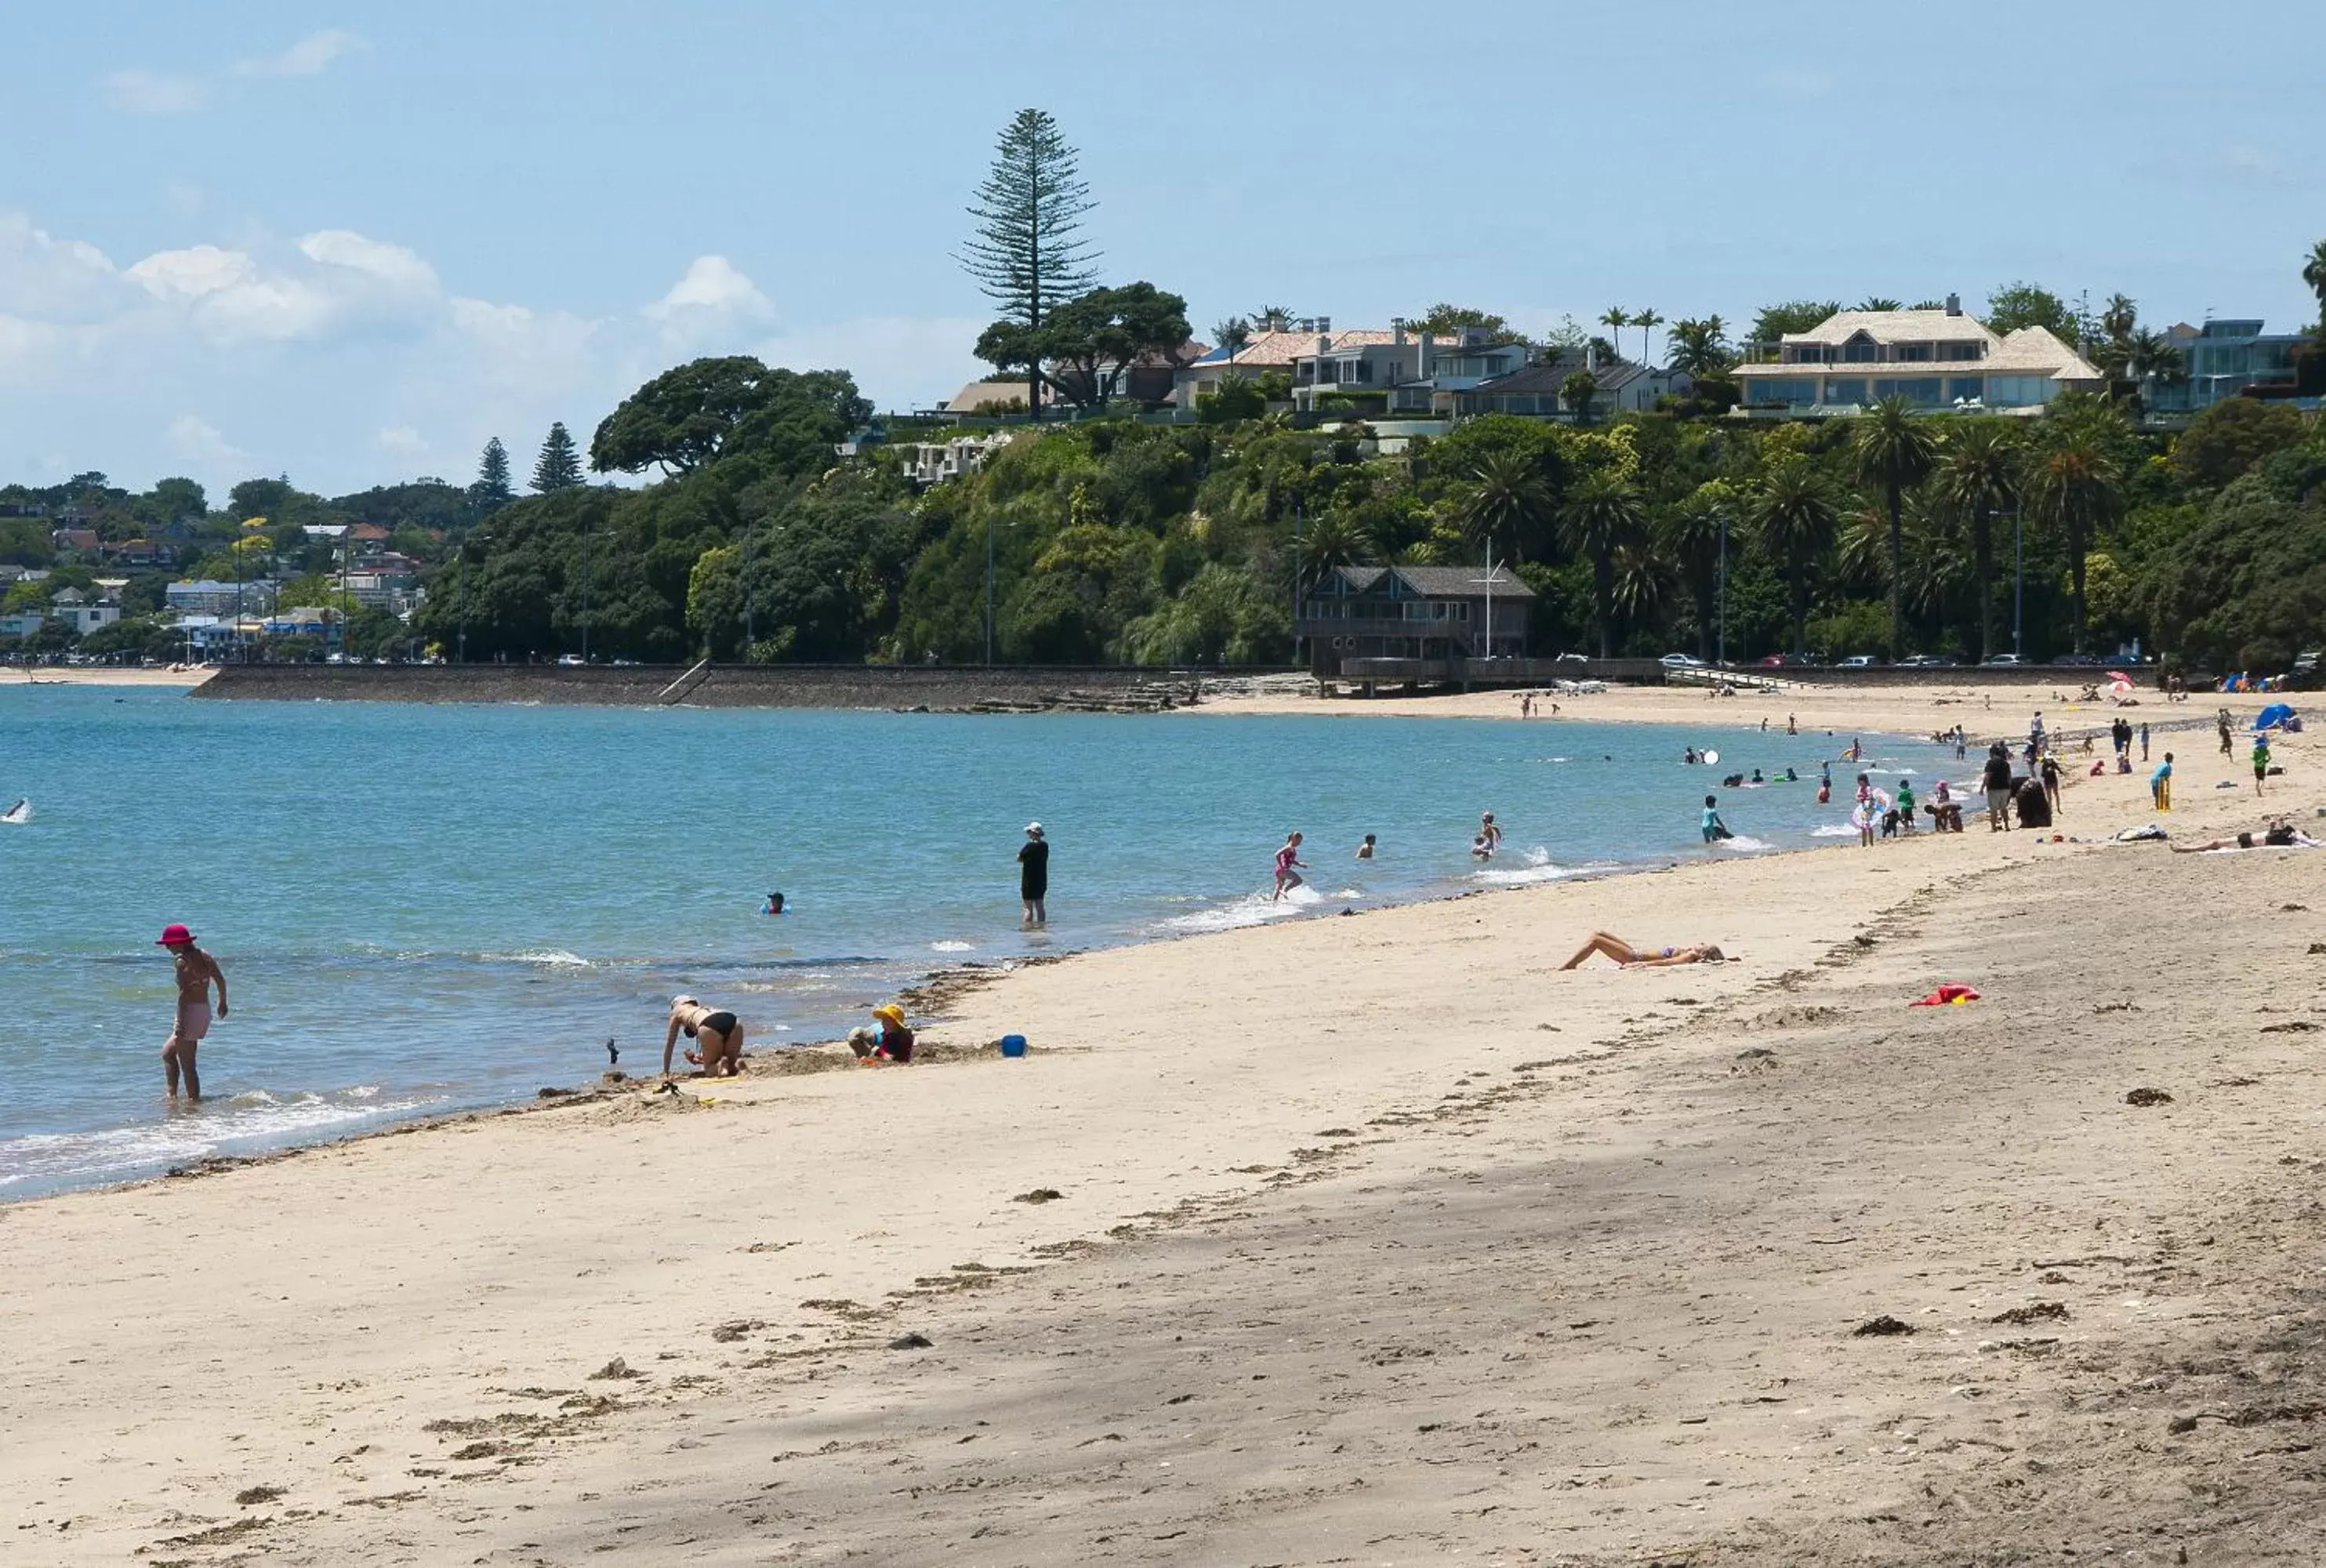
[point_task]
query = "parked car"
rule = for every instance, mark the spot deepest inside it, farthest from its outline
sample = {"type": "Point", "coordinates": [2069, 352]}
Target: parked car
{"type": "Point", "coordinates": [1682, 661]}
{"type": "Point", "coordinates": [1582, 660]}
{"type": "Point", "coordinates": [1929, 661]}
{"type": "Point", "coordinates": [1787, 661]}
{"type": "Point", "coordinates": [1858, 661]}
{"type": "Point", "coordinates": [2087, 660]}
{"type": "Point", "coordinates": [2122, 661]}
{"type": "Point", "coordinates": [569, 660]}
{"type": "Point", "coordinates": [2001, 661]}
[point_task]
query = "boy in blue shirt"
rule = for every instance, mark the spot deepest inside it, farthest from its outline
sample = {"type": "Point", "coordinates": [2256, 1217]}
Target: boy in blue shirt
{"type": "Point", "coordinates": [1715, 829]}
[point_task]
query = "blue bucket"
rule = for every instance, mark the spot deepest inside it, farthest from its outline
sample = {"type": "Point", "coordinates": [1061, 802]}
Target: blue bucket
{"type": "Point", "coordinates": [1013, 1045]}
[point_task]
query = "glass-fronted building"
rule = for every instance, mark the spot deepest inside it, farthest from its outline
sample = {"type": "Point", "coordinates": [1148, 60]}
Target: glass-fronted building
{"type": "Point", "coordinates": [1935, 358]}
{"type": "Point", "coordinates": [2222, 358]}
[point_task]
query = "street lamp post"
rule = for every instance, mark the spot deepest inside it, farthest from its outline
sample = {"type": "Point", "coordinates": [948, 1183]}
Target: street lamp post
{"type": "Point", "coordinates": [1720, 656]}
{"type": "Point", "coordinates": [2018, 580]}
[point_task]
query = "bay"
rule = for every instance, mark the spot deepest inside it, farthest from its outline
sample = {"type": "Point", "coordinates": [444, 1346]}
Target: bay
{"type": "Point", "coordinates": [424, 908]}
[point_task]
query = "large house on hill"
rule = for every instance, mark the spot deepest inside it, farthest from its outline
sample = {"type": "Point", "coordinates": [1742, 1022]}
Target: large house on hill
{"type": "Point", "coordinates": [1934, 359]}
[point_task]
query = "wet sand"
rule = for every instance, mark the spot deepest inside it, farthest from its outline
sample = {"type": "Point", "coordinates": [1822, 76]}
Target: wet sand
{"type": "Point", "coordinates": [1370, 1239]}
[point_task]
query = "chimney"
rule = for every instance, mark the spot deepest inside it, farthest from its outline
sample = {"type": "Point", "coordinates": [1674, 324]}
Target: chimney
{"type": "Point", "coordinates": [1591, 355]}
{"type": "Point", "coordinates": [1324, 342]}
{"type": "Point", "coordinates": [1323, 323]}
{"type": "Point", "coordinates": [1954, 304]}
{"type": "Point", "coordinates": [1397, 331]}
{"type": "Point", "coordinates": [1428, 347]}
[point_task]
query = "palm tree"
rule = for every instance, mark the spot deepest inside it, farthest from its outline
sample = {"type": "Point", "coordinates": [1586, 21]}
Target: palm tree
{"type": "Point", "coordinates": [1894, 450]}
{"type": "Point", "coordinates": [1333, 540]}
{"type": "Point", "coordinates": [1795, 516]}
{"type": "Point", "coordinates": [2154, 358]}
{"type": "Point", "coordinates": [1506, 496]}
{"type": "Point", "coordinates": [2073, 487]}
{"type": "Point", "coordinates": [1689, 537]}
{"type": "Point", "coordinates": [1700, 348]}
{"type": "Point", "coordinates": [2314, 273]}
{"type": "Point", "coordinates": [1272, 318]}
{"type": "Point", "coordinates": [1647, 321]}
{"type": "Point", "coordinates": [1861, 555]}
{"type": "Point", "coordinates": [1641, 575]}
{"type": "Point", "coordinates": [1979, 469]}
{"type": "Point", "coordinates": [1602, 515]}
{"type": "Point", "coordinates": [1934, 558]}
{"type": "Point", "coordinates": [1617, 318]}
{"type": "Point", "coordinates": [1877, 302]}
{"type": "Point", "coordinates": [1232, 335]}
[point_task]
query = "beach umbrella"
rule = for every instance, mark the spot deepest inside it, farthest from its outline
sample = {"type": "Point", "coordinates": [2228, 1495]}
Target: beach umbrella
{"type": "Point", "coordinates": [2119, 682]}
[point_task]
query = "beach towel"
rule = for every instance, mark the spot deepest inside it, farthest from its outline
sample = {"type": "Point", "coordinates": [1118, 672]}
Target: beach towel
{"type": "Point", "coordinates": [1947, 995]}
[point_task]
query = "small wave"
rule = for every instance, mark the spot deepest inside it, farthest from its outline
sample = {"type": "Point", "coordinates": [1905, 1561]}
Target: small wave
{"type": "Point", "coordinates": [953, 947]}
{"type": "Point", "coordinates": [1350, 893]}
{"type": "Point", "coordinates": [1745, 844]}
{"type": "Point", "coordinates": [547, 958]}
{"type": "Point", "coordinates": [244, 1123]}
{"type": "Point", "coordinates": [1833, 830]}
{"type": "Point", "coordinates": [1251, 910]}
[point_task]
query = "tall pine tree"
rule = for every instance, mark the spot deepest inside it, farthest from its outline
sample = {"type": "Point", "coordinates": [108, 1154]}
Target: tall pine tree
{"type": "Point", "coordinates": [559, 467]}
{"type": "Point", "coordinates": [492, 491]}
{"type": "Point", "coordinates": [1024, 253]}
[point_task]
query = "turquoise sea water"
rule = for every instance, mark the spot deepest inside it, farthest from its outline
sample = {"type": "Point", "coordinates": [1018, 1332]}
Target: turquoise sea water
{"type": "Point", "coordinates": [422, 909]}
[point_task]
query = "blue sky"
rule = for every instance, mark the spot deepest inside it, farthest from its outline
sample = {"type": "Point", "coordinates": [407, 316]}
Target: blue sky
{"type": "Point", "coordinates": [348, 244]}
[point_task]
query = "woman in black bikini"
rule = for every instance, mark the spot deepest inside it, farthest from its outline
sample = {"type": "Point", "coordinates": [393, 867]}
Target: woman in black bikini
{"type": "Point", "coordinates": [718, 1037]}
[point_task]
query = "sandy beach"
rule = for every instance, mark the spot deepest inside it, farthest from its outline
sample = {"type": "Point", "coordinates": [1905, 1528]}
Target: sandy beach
{"type": "Point", "coordinates": [1372, 1239]}
{"type": "Point", "coordinates": [1923, 708]}
{"type": "Point", "coordinates": [104, 675]}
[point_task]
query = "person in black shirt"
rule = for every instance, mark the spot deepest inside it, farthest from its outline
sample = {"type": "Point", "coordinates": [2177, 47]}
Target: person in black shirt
{"type": "Point", "coordinates": [1998, 781]}
{"type": "Point", "coordinates": [1034, 876]}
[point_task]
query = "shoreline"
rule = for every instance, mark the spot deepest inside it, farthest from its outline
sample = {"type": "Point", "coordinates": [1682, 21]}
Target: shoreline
{"type": "Point", "coordinates": [637, 1302]}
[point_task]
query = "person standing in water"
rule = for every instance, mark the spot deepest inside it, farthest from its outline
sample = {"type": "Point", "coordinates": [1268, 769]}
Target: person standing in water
{"type": "Point", "coordinates": [1365, 850]}
{"type": "Point", "coordinates": [1287, 860]}
{"type": "Point", "coordinates": [1715, 830]}
{"type": "Point", "coordinates": [1033, 877]}
{"type": "Point", "coordinates": [1488, 831]}
{"type": "Point", "coordinates": [196, 972]}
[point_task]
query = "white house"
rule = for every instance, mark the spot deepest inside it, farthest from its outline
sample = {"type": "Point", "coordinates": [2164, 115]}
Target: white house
{"type": "Point", "coordinates": [1934, 359]}
{"type": "Point", "coordinates": [928, 463]}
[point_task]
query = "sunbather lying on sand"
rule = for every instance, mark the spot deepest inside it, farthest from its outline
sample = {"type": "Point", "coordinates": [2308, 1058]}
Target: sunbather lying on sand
{"type": "Point", "coordinates": [1631, 957]}
{"type": "Point", "coordinates": [2277, 831]}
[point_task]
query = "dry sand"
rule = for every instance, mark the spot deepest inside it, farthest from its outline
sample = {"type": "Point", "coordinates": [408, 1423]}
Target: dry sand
{"type": "Point", "coordinates": [103, 675]}
{"type": "Point", "coordinates": [1374, 1240]}
{"type": "Point", "coordinates": [1919, 707]}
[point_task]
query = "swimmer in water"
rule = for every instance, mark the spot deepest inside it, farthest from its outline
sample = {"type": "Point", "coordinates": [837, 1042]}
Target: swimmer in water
{"type": "Point", "coordinates": [1365, 850]}
{"type": "Point", "coordinates": [775, 904]}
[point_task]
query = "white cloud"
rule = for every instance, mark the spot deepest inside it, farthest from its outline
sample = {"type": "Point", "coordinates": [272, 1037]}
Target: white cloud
{"type": "Point", "coordinates": [390, 264]}
{"type": "Point", "coordinates": [343, 360]}
{"type": "Point", "coordinates": [308, 57]}
{"type": "Point", "coordinates": [195, 440]}
{"type": "Point", "coordinates": [150, 93]}
{"type": "Point", "coordinates": [191, 272]}
{"type": "Point", "coordinates": [712, 284]}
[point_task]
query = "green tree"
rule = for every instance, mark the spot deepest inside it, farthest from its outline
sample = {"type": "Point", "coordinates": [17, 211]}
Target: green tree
{"type": "Point", "coordinates": [1576, 391]}
{"type": "Point", "coordinates": [687, 418]}
{"type": "Point", "coordinates": [2233, 435]}
{"type": "Point", "coordinates": [1603, 515]}
{"type": "Point", "coordinates": [179, 498]}
{"type": "Point", "coordinates": [1977, 475]}
{"type": "Point", "coordinates": [1647, 321]}
{"type": "Point", "coordinates": [1689, 536]}
{"type": "Point", "coordinates": [1893, 448]}
{"type": "Point", "coordinates": [1450, 320]}
{"type": "Point", "coordinates": [1795, 515]}
{"type": "Point", "coordinates": [2024, 304]}
{"type": "Point", "coordinates": [559, 466]}
{"type": "Point", "coordinates": [1615, 318]}
{"type": "Point", "coordinates": [492, 491]}
{"type": "Point", "coordinates": [1235, 398]}
{"type": "Point", "coordinates": [1877, 302]}
{"type": "Point", "coordinates": [1700, 348]}
{"type": "Point", "coordinates": [1231, 334]}
{"type": "Point", "coordinates": [1778, 321]}
{"type": "Point", "coordinates": [1088, 343]}
{"type": "Point", "coordinates": [2314, 273]}
{"type": "Point", "coordinates": [2072, 488]}
{"type": "Point", "coordinates": [1504, 496]}
{"type": "Point", "coordinates": [1026, 251]}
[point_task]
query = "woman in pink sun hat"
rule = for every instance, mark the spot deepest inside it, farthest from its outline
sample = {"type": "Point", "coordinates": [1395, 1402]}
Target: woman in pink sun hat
{"type": "Point", "coordinates": [197, 972]}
